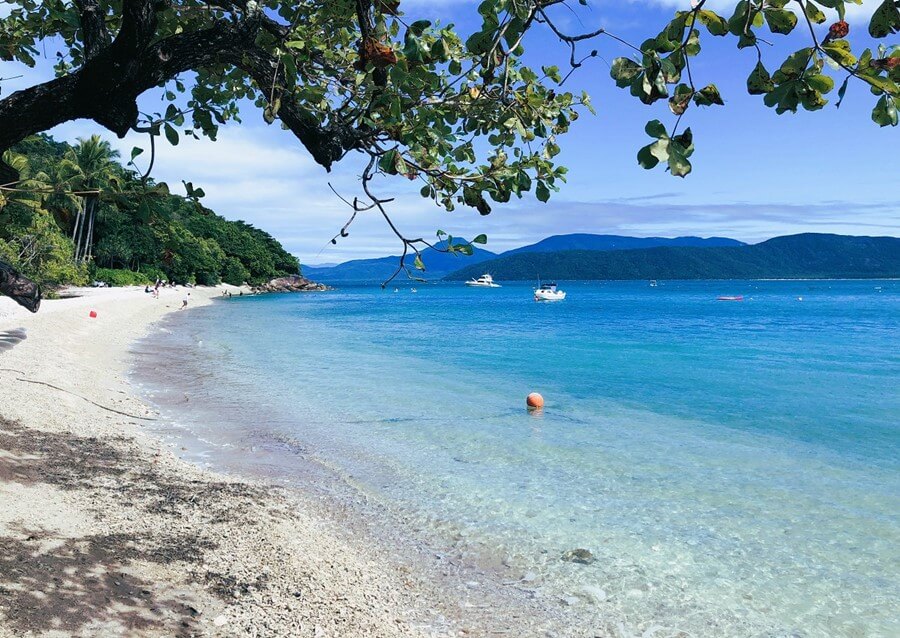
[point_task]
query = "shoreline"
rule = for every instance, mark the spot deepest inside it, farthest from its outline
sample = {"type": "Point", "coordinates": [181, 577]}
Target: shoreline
{"type": "Point", "coordinates": [105, 530]}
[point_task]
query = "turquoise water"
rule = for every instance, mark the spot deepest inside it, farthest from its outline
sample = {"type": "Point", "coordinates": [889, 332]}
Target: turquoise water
{"type": "Point", "coordinates": [733, 467]}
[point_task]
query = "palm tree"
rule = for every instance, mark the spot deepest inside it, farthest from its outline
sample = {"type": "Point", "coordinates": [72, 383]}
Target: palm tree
{"type": "Point", "coordinates": [88, 167]}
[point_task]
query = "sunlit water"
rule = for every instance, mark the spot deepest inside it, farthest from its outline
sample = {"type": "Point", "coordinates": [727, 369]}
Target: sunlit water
{"type": "Point", "coordinates": [734, 467]}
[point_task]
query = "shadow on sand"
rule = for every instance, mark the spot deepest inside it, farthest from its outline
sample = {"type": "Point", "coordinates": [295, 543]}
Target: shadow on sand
{"type": "Point", "coordinates": [90, 584]}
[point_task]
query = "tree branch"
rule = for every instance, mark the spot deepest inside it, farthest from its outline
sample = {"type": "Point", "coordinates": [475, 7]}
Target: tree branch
{"type": "Point", "coordinates": [95, 36]}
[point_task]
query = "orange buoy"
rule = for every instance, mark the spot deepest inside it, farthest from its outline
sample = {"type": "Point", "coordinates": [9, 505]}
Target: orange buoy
{"type": "Point", "coordinates": [92, 314]}
{"type": "Point", "coordinates": [534, 401]}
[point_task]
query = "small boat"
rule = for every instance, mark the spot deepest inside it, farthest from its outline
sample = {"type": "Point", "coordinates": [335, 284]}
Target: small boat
{"type": "Point", "coordinates": [548, 292]}
{"type": "Point", "coordinates": [730, 298]}
{"type": "Point", "coordinates": [653, 283]}
{"type": "Point", "coordinates": [485, 281]}
{"type": "Point", "coordinates": [413, 290]}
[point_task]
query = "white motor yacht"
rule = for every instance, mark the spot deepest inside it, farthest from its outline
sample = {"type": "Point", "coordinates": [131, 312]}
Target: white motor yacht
{"type": "Point", "coordinates": [485, 281]}
{"type": "Point", "coordinates": [549, 292]}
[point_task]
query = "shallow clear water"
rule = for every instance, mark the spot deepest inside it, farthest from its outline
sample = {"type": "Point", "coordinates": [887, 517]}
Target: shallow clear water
{"type": "Point", "coordinates": [733, 467]}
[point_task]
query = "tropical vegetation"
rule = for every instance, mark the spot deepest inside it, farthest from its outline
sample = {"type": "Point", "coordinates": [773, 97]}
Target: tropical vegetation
{"type": "Point", "coordinates": [77, 214]}
{"type": "Point", "coordinates": [467, 115]}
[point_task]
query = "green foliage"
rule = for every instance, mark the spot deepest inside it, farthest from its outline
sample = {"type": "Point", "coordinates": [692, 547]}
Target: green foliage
{"type": "Point", "coordinates": [141, 232]}
{"type": "Point", "coordinates": [471, 116]}
{"type": "Point", "coordinates": [803, 78]}
{"type": "Point", "coordinates": [118, 277]}
{"type": "Point", "coordinates": [31, 242]}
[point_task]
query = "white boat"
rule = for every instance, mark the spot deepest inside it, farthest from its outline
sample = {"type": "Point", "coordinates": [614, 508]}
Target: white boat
{"type": "Point", "coordinates": [653, 283]}
{"type": "Point", "coordinates": [485, 281]}
{"type": "Point", "coordinates": [549, 292]}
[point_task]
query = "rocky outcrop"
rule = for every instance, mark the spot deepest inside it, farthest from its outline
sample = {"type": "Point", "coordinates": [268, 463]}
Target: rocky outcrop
{"type": "Point", "coordinates": [293, 283]}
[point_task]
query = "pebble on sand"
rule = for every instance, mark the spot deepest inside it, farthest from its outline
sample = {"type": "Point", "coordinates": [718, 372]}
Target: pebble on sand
{"type": "Point", "coordinates": [581, 556]}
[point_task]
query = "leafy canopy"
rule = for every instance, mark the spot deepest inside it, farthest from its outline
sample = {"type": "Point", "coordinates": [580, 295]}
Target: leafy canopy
{"type": "Point", "coordinates": [463, 114]}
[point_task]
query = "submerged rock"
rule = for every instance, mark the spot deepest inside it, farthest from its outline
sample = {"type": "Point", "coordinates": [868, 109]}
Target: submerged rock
{"type": "Point", "coordinates": [293, 283]}
{"type": "Point", "coordinates": [592, 594]}
{"type": "Point", "coordinates": [580, 556]}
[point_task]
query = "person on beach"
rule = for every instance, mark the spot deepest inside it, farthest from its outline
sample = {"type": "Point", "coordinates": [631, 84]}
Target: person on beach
{"type": "Point", "coordinates": [184, 302]}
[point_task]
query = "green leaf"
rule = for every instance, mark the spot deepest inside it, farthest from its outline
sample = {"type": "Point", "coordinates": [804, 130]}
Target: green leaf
{"type": "Point", "coordinates": [623, 71]}
{"type": "Point", "coordinates": [885, 20]}
{"type": "Point", "coordinates": [171, 134]}
{"type": "Point", "coordinates": [135, 151]}
{"type": "Point", "coordinates": [708, 96]}
{"type": "Point", "coordinates": [759, 81]}
{"type": "Point", "coordinates": [715, 24]}
{"type": "Point", "coordinates": [839, 51]}
{"type": "Point", "coordinates": [821, 83]}
{"type": "Point", "coordinates": [388, 162]}
{"type": "Point", "coordinates": [795, 64]}
{"type": "Point", "coordinates": [480, 239]}
{"type": "Point", "coordinates": [466, 249]}
{"type": "Point", "coordinates": [679, 165]}
{"type": "Point", "coordinates": [780, 20]}
{"type": "Point", "coordinates": [655, 128]}
{"type": "Point", "coordinates": [418, 27]}
{"type": "Point", "coordinates": [418, 264]}
{"type": "Point", "coordinates": [542, 192]}
{"type": "Point", "coordinates": [814, 13]}
{"type": "Point", "coordinates": [680, 101]}
{"type": "Point", "coordinates": [842, 91]}
{"type": "Point", "coordinates": [652, 154]}
{"type": "Point", "coordinates": [885, 111]}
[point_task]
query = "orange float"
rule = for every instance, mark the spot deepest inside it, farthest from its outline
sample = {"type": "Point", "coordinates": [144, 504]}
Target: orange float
{"type": "Point", "coordinates": [534, 401]}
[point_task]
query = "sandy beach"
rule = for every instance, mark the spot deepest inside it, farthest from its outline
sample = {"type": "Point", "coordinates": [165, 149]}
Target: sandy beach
{"type": "Point", "coordinates": [105, 531]}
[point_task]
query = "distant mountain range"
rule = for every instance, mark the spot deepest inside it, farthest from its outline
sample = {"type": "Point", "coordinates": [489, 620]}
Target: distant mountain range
{"type": "Point", "coordinates": [801, 256]}
{"type": "Point", "coordinates": [582, 241]}
{"type": "Point", "coordinates": [439, 264]}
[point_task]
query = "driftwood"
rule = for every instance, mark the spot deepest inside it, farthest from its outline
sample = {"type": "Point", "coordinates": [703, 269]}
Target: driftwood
{"type": "Point", "coordinates": [21, 289]}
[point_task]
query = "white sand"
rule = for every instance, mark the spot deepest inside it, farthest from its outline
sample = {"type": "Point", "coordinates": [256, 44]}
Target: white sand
{"type": "Point", "coordinates": [104, 531]}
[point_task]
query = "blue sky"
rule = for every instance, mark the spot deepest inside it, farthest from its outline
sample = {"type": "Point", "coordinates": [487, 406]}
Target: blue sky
{"type": "Point", "coordinates": [756, 174]}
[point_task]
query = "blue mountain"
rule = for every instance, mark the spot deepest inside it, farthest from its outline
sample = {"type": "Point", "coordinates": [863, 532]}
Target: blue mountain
{"type": "Point", "coordinates": [584, 241]}
{"type": "Point", "coordinates": [437, 264]}
{"type": "Point", "coordinates": [804, 256]}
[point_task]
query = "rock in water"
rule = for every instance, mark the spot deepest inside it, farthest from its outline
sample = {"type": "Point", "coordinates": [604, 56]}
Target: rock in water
{"type": "Point", "coordinates": [293, 283]}
{"type": "Point", "coordinates": [581, 556]}
{"type": "Point", "coordinates": [592, 594]}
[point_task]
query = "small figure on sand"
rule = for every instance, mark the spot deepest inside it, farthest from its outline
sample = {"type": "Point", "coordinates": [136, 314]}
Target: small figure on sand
{"type": "Point", "coordinates": [184, 302]}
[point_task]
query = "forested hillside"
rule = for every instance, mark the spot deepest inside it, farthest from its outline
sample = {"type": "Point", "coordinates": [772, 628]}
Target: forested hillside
{"type": "Point", "coordinates": [805, 256]}
{"type": "Point", "coordinates": [78, 214]}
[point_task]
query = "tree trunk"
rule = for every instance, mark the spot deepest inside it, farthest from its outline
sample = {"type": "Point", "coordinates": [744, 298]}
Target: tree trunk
{"type": "Point", "coordinates": [88, 244]}
{"type": "Point", "coordinates": [105, 89]}
{"type": "Point", "coordinates": [78, 230]}
{"type": "Point", "coordinates": [21, 289]}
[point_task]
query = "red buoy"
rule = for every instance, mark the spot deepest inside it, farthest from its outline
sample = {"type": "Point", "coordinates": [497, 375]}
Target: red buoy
{"type": "Point", "coordinates": [92, 314]}
{"type": "Point", "coordinates": [534, 401]}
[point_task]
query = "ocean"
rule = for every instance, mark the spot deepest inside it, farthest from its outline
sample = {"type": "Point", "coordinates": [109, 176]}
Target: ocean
{"type": "Point", "coordinates": [733, 468]}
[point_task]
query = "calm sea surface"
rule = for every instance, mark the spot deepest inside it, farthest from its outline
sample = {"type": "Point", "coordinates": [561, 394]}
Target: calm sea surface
{"type": "Point", "coordinates": [734, 468]}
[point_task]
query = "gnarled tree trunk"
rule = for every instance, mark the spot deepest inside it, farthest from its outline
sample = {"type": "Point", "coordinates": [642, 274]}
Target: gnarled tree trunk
{"type": "Point", "coordinates": [21, 289]}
